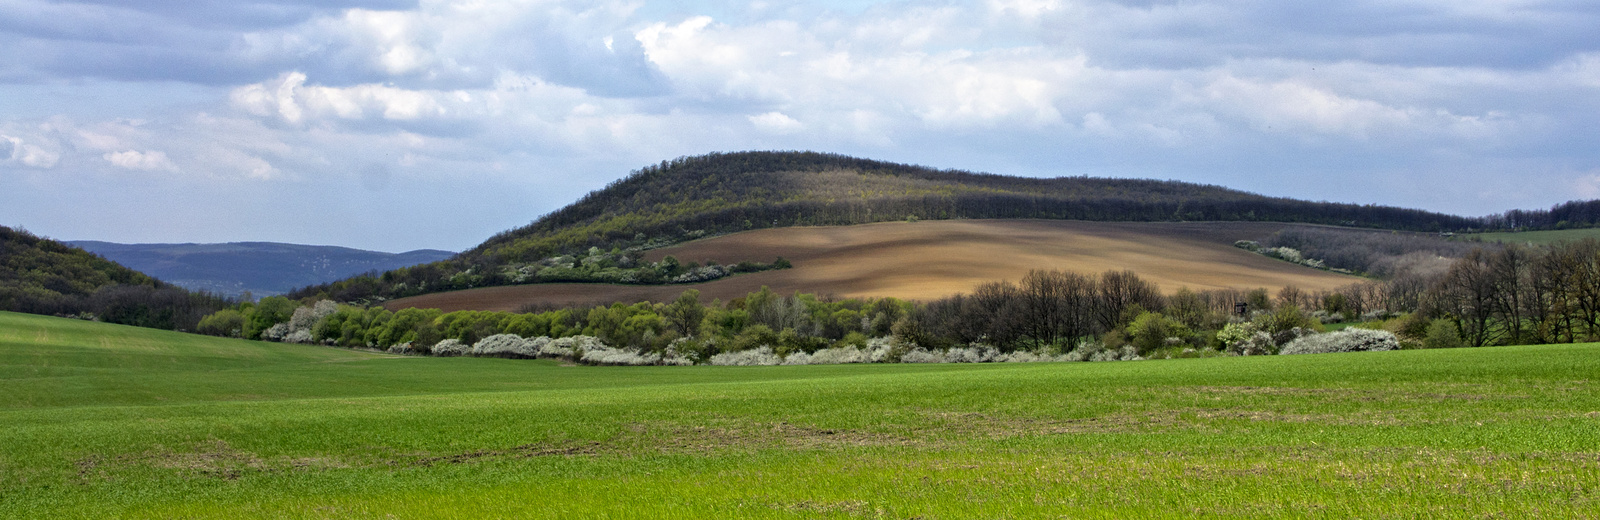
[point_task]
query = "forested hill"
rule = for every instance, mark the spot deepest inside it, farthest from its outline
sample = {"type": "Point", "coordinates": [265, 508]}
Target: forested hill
{"type": "Point", "coordinates": [43, 276]}
{"type": "Point", "coordinates": [726, 192]}
{"type": "Point", "coordinates": [720, 193]}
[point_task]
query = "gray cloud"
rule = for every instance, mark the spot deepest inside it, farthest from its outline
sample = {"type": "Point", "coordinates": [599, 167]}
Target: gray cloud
{"type": "Point", "coordinates": [460, 119]}
{"type": "Point", "coordinates": [1447, 34]}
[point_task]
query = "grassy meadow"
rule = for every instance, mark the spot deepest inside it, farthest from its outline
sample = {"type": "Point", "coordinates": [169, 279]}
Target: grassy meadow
{"type": "Point", "coordinates": [1544, 237]}
{"type": "Point", "coordinates": [108, 421]}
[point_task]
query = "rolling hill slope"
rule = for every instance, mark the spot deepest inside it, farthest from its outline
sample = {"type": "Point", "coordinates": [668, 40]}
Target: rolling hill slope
{"type": "Point", "coordinates": [930, 259]}
{"type": "Point", "coordinates": [725, 193]}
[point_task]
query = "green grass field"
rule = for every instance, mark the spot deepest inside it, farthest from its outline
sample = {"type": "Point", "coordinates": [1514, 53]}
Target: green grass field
{"type": "Point", "coordinates": [108, 421]}
{"type": "Point", "coordinates": [1536, 237]}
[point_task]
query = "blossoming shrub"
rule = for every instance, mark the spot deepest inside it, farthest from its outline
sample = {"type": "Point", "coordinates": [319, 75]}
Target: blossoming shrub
{"type": "Point", "coordinates": [450, 347]}
{"type": "Point", "coordinates": [276, 332]}
{"type": "Point", "coordinates": [305, 318]}
{"type": "Point", "coordinates": [755, 356]}
{"type": "Point", "coordinates": [505, 345]}
{"type": "Point", "coordinates": [918, 355]}
{"type": "Point", "coordinates": [1126, 353]}
{"type": "Point", "coordinates": [1023, 356]}
{"type": "Point", "coordinates": [1347, 340]}
{"type": "Point", "coordinates": [630, 357]}
{"type": "Point", "coordinates": [300, 336]}
{"type": "Point", "coordinates": [971, 355]}
{"type": "Point", "coordinates": [702, 274]}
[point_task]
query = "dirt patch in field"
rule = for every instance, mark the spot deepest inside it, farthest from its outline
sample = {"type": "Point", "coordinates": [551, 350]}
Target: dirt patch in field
{"type": "Point", "coordinates": [931, 259]}
{"type": "Point", "coordinates": [520, 452]}
{"type": "Point", "coordinates": [213, 459]}
{"type": "Point", "coordinates": [853, 508]}
{"type": "Point", "coordinates": [670, 438]}
{"type": "Point", "coordinates": [973, 424]}
{"type": "Point", "coordinates": [677, 438]}
{"type": "Point", "coordinates": [1436, 392]}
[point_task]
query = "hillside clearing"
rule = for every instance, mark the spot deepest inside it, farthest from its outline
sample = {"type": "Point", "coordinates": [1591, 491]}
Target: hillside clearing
{"type": "Point", "coordinates": [156, 424]}
{"type": "Point", "coordinates": [929, 259]}
{"type": "Point", "coordinates": [1542, 237]}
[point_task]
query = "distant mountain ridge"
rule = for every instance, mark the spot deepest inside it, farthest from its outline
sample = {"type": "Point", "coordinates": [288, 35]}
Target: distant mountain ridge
{"type": "Point", "coordinates": [260, 268]}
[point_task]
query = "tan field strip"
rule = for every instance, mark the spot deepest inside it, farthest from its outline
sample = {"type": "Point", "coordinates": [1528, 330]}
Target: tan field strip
{"type": "Point", "coordinates": [930, 259]}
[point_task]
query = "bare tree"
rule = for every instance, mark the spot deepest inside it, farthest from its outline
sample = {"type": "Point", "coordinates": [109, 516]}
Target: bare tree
{"type": "Point", "coordinates": [1119, 291]}
{"type": "Point", "coordinates": [1467, 294]}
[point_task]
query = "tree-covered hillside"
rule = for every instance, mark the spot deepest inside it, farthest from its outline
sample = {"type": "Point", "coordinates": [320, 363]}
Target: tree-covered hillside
{"type": "Point", "coordinates": [726, 192]}
{"type": "Point", "coordinates": [43, 276]}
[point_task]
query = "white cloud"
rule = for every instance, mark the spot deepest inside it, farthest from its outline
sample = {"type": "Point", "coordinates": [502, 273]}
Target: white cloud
{"type": "Point", "coordinates": [784, 63]}
{"type": "Point", "coordinates": [393, 36]}
{"type": "Point", "coordinates": [1583, 69]}
{"type": "Point", "coordinates": [290, 99]}
{"type": "Point", "coordinates": [1028, 9]}
{"type": "Point", "coordinates": [153, 160]}
{"type": "Point", "coordinates": [776, 123]}
{"type": "Point", "coordinates": [1290, 107]}
{"type": "Point", "coordinates": [241, 164]}
{"type": "Point", "coordinates": [29, 154]}
{"type": "Point", "coordinates": [1587, 186]}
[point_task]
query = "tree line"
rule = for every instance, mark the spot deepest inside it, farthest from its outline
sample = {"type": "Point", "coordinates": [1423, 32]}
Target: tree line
{"type": "Point", "coordinates": [1490, 296]}
{"type": "Point", "coordinates": [1572, 214]}
{"type": "Point", "coordinates": [1517, 294]}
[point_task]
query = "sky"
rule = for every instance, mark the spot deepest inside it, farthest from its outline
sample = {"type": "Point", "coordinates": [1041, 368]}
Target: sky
{"type": "Point", "coordinates": [397, 125]}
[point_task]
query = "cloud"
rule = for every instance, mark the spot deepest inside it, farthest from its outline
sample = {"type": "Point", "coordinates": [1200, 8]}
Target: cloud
{"type": "Point", "coordinates": [1290, 107]}
{"type": "Point", "coordinates": [291, 100]}
{"type": "Point", "coordinates": [330, 96]}
{"type": "Point", "coordinates": [153, 160]}
{"type": "Point", "coordinates": [1587, 186]}
{"type": "Point", "coordinates": [28, 154]}
{"type": "Point", "coordinates": [776, 123]}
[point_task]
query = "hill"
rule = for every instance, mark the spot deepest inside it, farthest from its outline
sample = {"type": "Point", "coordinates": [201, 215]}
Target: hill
{"type": "Point", "coordinates": [44, 276]}
{"type": "Point", "coordinates": [723, 193]}
{"type": "Point", "coordinates": [932, 259]}
{"type": "Point", "coordinates": [260, 268]}
{"type": "Point", "coordinates": [105, 421]}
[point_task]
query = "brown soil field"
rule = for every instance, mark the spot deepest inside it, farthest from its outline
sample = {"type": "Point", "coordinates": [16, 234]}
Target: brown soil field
{"type": "Point", "coordinates": [930, 259]}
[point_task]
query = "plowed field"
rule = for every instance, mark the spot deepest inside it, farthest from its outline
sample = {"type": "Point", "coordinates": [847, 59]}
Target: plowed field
{"type": "Point", "coordinates": [930, 259]}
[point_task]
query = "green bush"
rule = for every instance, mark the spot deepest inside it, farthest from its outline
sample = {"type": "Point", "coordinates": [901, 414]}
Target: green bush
{"type": "Point", "coordinates": [270, 311]}
{"type": "Point", "coordinates": [1149, 331]}
{"type": "Point", "coordinates": [754, 336]}
{"type": "Point", "coordinates": [1443, 333]}
{"type": "Point", "coordinates": [1287, 317]}
{"type": "Point", "coordinates": [226, 322]}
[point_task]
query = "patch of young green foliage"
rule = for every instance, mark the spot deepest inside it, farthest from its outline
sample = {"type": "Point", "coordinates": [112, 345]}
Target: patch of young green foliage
{"type": "Point", "coordinates": [105, 421]}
